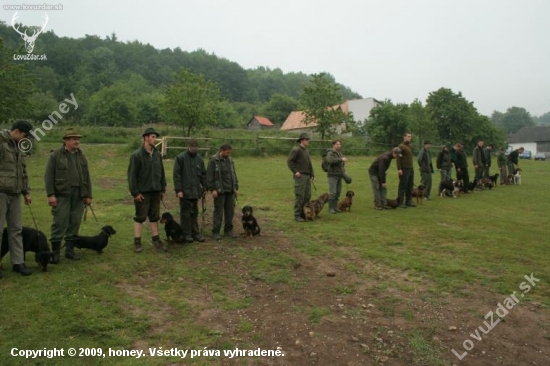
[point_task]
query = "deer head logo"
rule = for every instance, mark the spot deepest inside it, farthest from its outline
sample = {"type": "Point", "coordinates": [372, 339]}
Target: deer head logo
{"type": "Point", "coordinates": [29, 40]}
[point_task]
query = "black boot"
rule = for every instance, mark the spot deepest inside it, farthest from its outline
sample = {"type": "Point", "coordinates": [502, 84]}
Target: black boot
{"type": "Point", "coordinates": [56, 248]}
{"type": "Point", "coordinates": [69, 250]}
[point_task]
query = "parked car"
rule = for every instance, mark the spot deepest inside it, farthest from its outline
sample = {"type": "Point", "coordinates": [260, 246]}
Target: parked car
{"type": "Point", "coordinates": [540, 156]}
{"type": "Point", "coordinates": [525, 155]}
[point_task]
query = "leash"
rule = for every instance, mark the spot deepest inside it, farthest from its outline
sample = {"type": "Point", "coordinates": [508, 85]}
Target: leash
{"type": "Point", "coordinates": [203, 213]}
{"type": "Point", "coordinates": [313, 184]}
{"type": "Point", "coordinates": [86, 213]}
{"type": "Point", "coordinates": [35, 225]}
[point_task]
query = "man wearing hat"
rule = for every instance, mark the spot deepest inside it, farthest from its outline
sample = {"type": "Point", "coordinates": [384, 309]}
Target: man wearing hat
{"type": "Point", "coordinates": [190, 185]}
{"type": "Point", "coordinates": [426, 168]}
{"type": "Point", "coordinates": [147, 184]}
{"type": "Point", "coordinates": [69, 190]}
{"type": "Point", "coordinates": [377, 175]}
{"type": "Point", "coordinates": [14, 183]}
{"type": "Point", "coordinates": [299, 164]}
{"type": "Point", "coordinates": [444, 163]}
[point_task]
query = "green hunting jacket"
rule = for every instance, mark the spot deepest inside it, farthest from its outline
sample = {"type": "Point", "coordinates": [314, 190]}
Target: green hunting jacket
{"type": "Point", "coordinates": [299, 161]}
{"type": "Point", "coordinates": [478, 157]}
{"type": "Point", "coordinates": [56, 176]}
{"type": "Point", "coordinates": [189, 175]}
{"type": "Point", "coordinates": [406, 161]}
{"type": "Point", "coordinates": [13, 171]}
{"type": "Point", "coordinates": [146, 172]}
{"type": "Point", "coordinates": [220, 175]}
{"type": "Point", "coordinates": [501, 160]}
{"type": "Point", "coordinates": [336, 164]}
{"type": "Point", "coordinates": [444, 160]}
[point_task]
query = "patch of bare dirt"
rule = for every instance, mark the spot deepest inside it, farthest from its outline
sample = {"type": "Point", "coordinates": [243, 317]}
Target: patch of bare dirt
{"type": "Point", "coordinates": [334, 313]}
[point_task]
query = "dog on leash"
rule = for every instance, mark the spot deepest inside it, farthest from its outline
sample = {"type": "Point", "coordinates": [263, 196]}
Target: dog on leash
{"type": "Point", "coordinates": [173, 230]}
{"type": "Point", "coordinates": [517, 176]}
{"type": "Point", "coordinates": [449, 188]}
{"type": "Point", "coordinates": [313, 208]}
{"type": "Point", "coordinates": [418, 192]}
{"type": "Point", "coordinates": [250, 224]}
{"type": "Point", "coordinates": [97, 242]}
{"type": "Point", "coordinates": [347, 202]}
{"type": "Point", "coordinates": [486, 183]}
{"type": "Point", "coordinates": [33, 241]}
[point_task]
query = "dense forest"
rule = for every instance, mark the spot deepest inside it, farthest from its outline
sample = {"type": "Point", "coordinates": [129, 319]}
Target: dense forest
{"type": "Point", "coordinates": [132, 77]}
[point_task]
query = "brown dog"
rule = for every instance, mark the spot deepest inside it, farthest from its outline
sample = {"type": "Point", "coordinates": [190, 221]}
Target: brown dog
{"type": "Point", "coordinates": [418, 192]}
{"type": "Point", "coordinates": [486, 183]}
{"type": "Point", "coordinates": [313, 208]}
{"type": "Point", "coordinates": [510, 179]}
{"type": "Point", "coordinates": [391, 203]}
{"type": "Point", "coordinates": [347, 202]}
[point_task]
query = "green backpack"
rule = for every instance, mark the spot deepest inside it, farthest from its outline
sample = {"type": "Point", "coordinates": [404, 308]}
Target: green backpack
{"type": "Point", "coordinates": [324, 163]}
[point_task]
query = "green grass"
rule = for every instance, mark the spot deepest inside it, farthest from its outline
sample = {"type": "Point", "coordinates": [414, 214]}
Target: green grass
{"type": "Point", "coordinates": [487, 240]}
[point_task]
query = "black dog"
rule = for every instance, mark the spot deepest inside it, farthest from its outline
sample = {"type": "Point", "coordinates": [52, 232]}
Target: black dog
{"type": "Point", "coordinates": [173, 230]}
{"type": "Point", "coordinates": [98, 242]}
{"type": "Point", "coordinates": [250, 224]}
{"type": "Point", "coordinates": [33, 241]}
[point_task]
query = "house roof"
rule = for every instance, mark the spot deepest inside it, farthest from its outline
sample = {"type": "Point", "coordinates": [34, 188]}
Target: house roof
{"type": "Point", "coordinates": [531, 134]}
{"type": "Point", "coordinates": [263, 121]}
{"type": "Point", "coordinates": [295, 121]}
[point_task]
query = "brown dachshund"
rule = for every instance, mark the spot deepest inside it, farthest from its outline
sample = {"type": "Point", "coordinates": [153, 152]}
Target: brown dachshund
{"type": "Point", "coordinates": [347, 202]}
{"type": "Point", "coordinates": [418, 192]}
{"type": "Point", "coordinates": [313, 208]}
{"type": "Point", "coordinates": [391, 203]}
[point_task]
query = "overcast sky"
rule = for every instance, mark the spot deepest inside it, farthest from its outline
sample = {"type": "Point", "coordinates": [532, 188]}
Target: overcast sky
{"type": "Point", "coordinates": [496, 52]}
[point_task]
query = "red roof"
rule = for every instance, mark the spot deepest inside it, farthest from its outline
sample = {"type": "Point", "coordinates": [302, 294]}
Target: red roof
{"type": "Point", "coordinates": [263, 121]}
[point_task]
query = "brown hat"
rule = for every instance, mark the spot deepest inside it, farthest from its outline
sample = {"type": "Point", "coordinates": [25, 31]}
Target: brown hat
{"type": "Point", "coordinates": [193, 142]}
{"type": "Point", "coordinates": [150, 131]}
{"type": "Point", "coordinates": [303, 136]}
{"type": "Point", "coordinates": [71, 132]}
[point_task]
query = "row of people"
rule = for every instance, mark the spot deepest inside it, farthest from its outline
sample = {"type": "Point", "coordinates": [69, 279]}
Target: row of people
{"type": "Point", "coordinates": [299, 163]}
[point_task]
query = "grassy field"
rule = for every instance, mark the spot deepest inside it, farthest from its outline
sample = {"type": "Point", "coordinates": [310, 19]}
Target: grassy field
{"type": "Point", "coordinates": [199, 296]}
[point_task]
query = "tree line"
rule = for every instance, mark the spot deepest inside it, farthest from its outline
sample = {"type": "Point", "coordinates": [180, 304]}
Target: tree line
{"type": "Point", "coordinates": [131, 84]}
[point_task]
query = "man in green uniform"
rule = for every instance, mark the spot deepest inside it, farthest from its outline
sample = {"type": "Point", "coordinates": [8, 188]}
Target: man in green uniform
{"type": "Point", "coordinates": [189, 184]}
{"type": "Point", "coordinates": [501, 162]}
{"type": "Point", "coordinates": [299, 164]}
{"type": "Point", "coordinates": [335, 173]}
{"type": "Point", "coordinates": [221, 181]}
{"type": "Point", "coordinates": [147, 184]}
{"type": "Point", "coordinates": [69, 190]}
{"type": "Point", "coordinates": [14, 182]}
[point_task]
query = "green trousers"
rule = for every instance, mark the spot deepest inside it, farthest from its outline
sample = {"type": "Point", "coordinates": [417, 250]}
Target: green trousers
{"type": "Point", "coordinates": [67, 216]}
{"type": "Point", "coordinates": [302, 194]}
{"type": "Point", "coordinates": [10, 213]}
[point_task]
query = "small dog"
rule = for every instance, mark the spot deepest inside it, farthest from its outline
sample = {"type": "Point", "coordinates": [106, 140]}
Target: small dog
{"type": "Point", "coordinates": [517, 176]}
{"type": "Point", "coordinates": [347, 202]}
{"type": "Point", "coordinates": [250, 224]}
{"type": "Point", "coordinates": [173, 230]}
{"type": "Point", "coordinates": [313, 208]}
{"type": "Point", "coordinates": [33, 241]}
{"type": "Point", "coordinates": [97, 242]}
{"type": "Point", "coordinates": [494, 179]}
{"type": "Point", "coordinates": [486, 183]}
{"type": "Point", "coordinates": [446, 187]}
{"type": "Point", "coordinates": [392, 203]}
{"type": "Point", "coordinates": [418, 192]}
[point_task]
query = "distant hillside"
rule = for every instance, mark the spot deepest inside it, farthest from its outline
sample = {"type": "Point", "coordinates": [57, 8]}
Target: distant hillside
{"type": "Point", "coordinates": [86, 65]}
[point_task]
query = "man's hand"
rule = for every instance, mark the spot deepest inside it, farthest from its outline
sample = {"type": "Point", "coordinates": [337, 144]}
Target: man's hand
{"type": "Point", "coordinates": [214, 194]}
{"type": "Point", "coordinates": [400, 172]}
{"type": "Point", "coordinates": [139, 198]}
{"type": "Point", "coordinates": [87, 201]}
{"type": "Point", "coordinates": [384, 185]}
{"type": "Point", "coordinates": [297, 174]}
{"type": "Point", "coordinates": [179, 195]}
{"type": "Point", "coordinates": [52, 201]}
{"type": "Point", "coordinates": [28, 199]}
